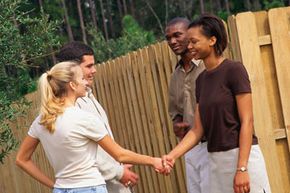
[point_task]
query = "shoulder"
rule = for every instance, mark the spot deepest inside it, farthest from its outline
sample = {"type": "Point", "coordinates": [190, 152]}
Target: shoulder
{"type": "Point", "coordinates": [78, 114]}
{"type": "Point", "coordinates": [201, 75]}
{"type": "Point", "coordinates": [36, 122]}
{"type": "Point", "coordinates": [34, 130]}
{"type": "Point", "coordinates": [232, 65]}
{"type": "Point", "coordinates": [81, 101]}
{"type": "Point", "coordinates": [175, 75]}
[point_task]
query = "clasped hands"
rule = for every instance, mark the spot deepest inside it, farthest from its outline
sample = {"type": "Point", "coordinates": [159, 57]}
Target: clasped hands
{"type": "Point", "coordinates": [164, 165]}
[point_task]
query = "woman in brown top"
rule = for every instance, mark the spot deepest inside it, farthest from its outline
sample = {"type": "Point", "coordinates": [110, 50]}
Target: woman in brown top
{"type": "Point", "coordinates": [223, 114]}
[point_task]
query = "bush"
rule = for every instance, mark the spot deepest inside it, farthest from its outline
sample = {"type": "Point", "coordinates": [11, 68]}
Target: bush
{"type": "Point", "coordinates": [24, 41]}
{"type": "Point", "coordinates": [132, 38]}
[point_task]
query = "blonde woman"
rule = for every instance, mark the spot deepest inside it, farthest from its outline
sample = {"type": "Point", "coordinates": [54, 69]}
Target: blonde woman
{"type": "Point", "coordinates": [70, 136]}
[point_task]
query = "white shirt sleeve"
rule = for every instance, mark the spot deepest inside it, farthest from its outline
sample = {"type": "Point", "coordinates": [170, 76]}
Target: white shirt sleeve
{"type": "Point", "coordinates": [94, 128]}
{"type": "Point", "coordinates": [34, 128]}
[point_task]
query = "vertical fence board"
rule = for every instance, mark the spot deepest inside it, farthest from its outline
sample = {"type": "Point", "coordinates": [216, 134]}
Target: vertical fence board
{"type": "Point", "coordinates": [250, 53]}
{"type": "Point", "coordinates": [279, 26]}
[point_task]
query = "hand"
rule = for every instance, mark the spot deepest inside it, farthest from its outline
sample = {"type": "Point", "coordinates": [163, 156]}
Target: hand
{"type": "Point", "coordinates": [161, 167]}
{"type": "Point", "coordinates": [180, 129]}
{"type": "Point", "coordinates": [168, 163]}
{"type": "Point", "coordinates": [129, 178]}
{"type": "Point", "coordinates": [242, 182]}
{"type": "Point", "coordinates": [157, 164]}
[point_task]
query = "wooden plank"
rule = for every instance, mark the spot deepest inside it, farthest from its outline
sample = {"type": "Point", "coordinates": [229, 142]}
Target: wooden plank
{"type": "Point", "coordinates": [250, 52]}
{"type": "Point", "coordinates": [280, 133]}
{"type": "Point", "coordinates": [283, 152]}
{"type": "Point", "coordinates": [96, 83]}
{"type": "Point", "coordinates": [130, 121]}
{"type": "Point", "coordinates": [167, 129]}
{"type": "Point", "coordinates": [163, 90]}
{"type": "Point", "coordinates": [166, 61]}
{"type": "Point", "coordinates": [108, 99]}
{"type": "Point", "coordinates": [228, 51]}
{"type": "Point", "coordinates": [101, 88]}
{"type": "Point", "coordinates": [265, 40]}
{"type": "Point", "coordinates": [142, 130]}
{"type": "Point", "coordinates": [170, 140]}
{"type": "Point", "coordinates": [172, 58]}
{"type": "Point", "coordinates": [279, 26]}
{"type": "Point", "coordinates": [117, 109]}
{"type": "Point", "coordinates": [131, 94]}
{"type": "Point", "coordinates": [145, 84]}
{"type": "Point", "coordinates": [159, 90]}
{"type": "Point", "coordinates": [165, 119]}
{"type": "Point", "coordinates": [121, 128]}
{"type": "Point", "coordinates": [234, 44]}
{"type": "Point", "coordinates": [155, 103]}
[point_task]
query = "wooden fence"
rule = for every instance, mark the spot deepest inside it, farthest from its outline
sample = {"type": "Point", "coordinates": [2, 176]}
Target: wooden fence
{"type": "Point", "coordinates": [261, 41]}
{"type": "Point", "coordinates": [134, 91]}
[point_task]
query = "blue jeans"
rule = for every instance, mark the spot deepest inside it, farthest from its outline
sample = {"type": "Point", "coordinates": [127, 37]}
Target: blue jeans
{"type": "Point", "coordinates": [91, 189]}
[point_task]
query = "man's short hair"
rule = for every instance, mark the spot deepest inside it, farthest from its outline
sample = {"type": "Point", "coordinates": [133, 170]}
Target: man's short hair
{"type": "Point", "coordinates": [74, 51]}
{"type": "Point", "coordinates": [177, 20]}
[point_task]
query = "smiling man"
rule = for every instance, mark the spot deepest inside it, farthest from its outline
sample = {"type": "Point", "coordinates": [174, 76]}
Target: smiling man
{"type": "Point", "coordinates": [182, 103]}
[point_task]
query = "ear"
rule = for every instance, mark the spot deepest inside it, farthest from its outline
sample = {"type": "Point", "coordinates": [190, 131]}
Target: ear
{"type": "Point", "coordinates": [72, 85]}
{"type": "Point", "coordinates": [212, 40]}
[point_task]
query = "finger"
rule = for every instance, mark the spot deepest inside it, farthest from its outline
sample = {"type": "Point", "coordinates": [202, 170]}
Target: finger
{"type": "Point", "coordinates": [160, 171]}
{"type": "Point", "coordinates": [129, 166]}
{"type": "Point", "coordinates": [163, 160]}
{"type": "Point", "coordinates": [236, 189]}
{"type": "Point", "coordinates": [134, 176]}
{"type": "Point", "coordinates": [129, 183]}
{"type": "Point", "coordinates": [245, 189]}
{"type": "Point", "coordinates": [170, 164]}
{"type": "Point", "coordinates": [241, 189]}
{"type": "Point", "coordinates": [133, 180]}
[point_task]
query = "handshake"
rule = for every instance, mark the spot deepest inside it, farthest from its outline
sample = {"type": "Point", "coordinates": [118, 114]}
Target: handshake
{"type": "Point", "coordinates": [163, 165]}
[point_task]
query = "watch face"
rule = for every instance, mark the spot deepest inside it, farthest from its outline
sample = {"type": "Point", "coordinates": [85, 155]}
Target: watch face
{"type": "Point", "coordinates": [243, 169]}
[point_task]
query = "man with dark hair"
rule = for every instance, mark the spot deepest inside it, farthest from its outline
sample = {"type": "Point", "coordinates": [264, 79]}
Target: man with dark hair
{"type": "Point", "coordinates": [118, 177]}
{"type": "Point", "coordinates": [182, 103]}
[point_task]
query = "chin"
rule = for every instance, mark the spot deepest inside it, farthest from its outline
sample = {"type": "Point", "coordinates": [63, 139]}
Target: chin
{"type": "Point", "coordinates": [90, 83]}
{"type": "Point", "coordinates": [178, 52]}
{"type": "Point", "coordinates": [197, 57]}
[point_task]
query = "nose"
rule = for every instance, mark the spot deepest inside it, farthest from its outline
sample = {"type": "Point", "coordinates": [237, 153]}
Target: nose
{"type": "Point", "coordinates": [94, 69]}
{"type": "Point", "coordinates": [189, 46]}
{"type": "Point", "coordinates": [171, 41]}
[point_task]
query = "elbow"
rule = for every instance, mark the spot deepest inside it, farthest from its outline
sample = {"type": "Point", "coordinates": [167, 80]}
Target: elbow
{"type": "Point", "coordinates": [19, 161]}
{"type": "Point", "coordinates": [122, 157]}
{"type": "Point", "coordinates": [248, 123]}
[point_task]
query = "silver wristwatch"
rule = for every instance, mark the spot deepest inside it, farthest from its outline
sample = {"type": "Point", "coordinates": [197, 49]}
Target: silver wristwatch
{"type": "Point", "coordinates": [242, 169]}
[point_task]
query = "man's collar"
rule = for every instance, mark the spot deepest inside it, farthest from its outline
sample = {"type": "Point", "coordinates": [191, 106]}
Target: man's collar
{"type": "Point", "coordinates": [89, 92]}
{"type": "Point", "coordinates": [192, 62]}
{"type": "Point", "coordinates": [195, 62]}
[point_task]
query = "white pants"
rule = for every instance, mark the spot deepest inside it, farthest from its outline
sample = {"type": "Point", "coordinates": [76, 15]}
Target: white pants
{"type": "Point", "coordinates": [223, 167]}
{"type": "Point", "coordinates": [197, 169]}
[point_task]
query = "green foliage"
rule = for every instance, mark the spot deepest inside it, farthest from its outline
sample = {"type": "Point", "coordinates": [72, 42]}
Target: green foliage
{"type": "Point", "coordinates": [223, 14]}
{"type": "Point", "coordinates": [133, 37]}
{"type": "Point", "coordinates": [273, 4]}
{"type": "Point", "coordinates": [24, 42]}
